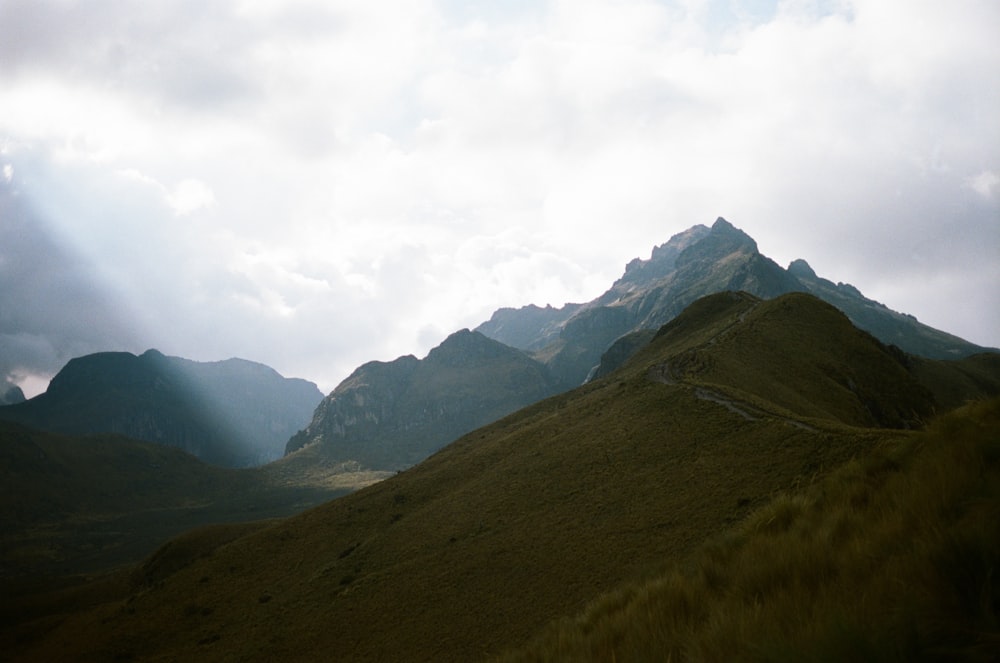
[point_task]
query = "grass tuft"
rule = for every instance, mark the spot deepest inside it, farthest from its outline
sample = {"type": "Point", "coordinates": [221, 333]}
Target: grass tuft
{"type": "Point", "coordinates": [893, 557]}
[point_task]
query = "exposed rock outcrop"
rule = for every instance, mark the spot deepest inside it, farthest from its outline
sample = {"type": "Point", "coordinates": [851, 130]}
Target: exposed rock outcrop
{"type": "Point", "coordinates": [390, 415]}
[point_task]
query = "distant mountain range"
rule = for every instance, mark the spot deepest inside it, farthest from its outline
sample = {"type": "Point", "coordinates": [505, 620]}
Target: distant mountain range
{"type": "Point", "coordinates": [392, 415]}
{"type": "Point", "coordinates": [232, 413]}
{"type": "Point", "coordinates": [528, 520]}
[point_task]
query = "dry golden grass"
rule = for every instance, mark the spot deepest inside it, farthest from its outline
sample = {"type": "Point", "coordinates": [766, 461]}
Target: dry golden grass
{"type": "Point", "coordinates": [893, 557]}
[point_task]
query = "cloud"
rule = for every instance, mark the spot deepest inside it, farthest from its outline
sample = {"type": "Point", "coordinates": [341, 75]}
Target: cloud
{"type": "Point", "coordinates": [986, 183]}
{"type": "Point", "coordinates": [317, 184]}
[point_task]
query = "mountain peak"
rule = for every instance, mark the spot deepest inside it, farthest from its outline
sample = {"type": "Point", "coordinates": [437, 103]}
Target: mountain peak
{"type": "Point", "coordinates": [466, 347]}
{"type": "Point", "coordinates": [723, 240]}
{"type": "Point", "coordinates": [663, 259]}
{"type": "Point", "coordinates": [217, 411]}
{"type": "Point", "coordinates": [390, 416]}
{"type": "Point", "coordinates": [722, 228]}
{"type": "Point", "coordinates": [11, 395]}
{"type": "Point", "coordinates": [800, 268]}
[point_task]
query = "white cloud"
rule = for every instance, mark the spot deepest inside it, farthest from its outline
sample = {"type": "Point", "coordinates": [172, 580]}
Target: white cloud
{"type": "Point", "coordinates": [986, 183]}
{"type": "Point", "coordinates": [191, 195]}
{"type": "Point", "coordinates": [316, 184]}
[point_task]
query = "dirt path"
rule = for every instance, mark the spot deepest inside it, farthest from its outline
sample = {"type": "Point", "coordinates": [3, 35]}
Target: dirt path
{"type": "Point", "coordinates": [662, 373]}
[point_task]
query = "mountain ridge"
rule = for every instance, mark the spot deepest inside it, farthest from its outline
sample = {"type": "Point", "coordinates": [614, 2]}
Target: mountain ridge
{"type": "Point", "coordinates": [391, 415]}
{"type": "Point", "coordinates": [579, 342]}
{"type": "Point", "coordinates": [527, 519]}
{"type": "Point", "coordinates": [231, 413]}
{"type": "Point", "coordinates": [703, 260]}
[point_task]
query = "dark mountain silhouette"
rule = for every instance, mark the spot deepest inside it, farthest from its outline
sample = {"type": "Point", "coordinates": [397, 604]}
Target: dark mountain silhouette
{"type": "Point", "coordinates": [231, 413]}
{"type": "Point", "coordinates": [530, 518]}
{"type": "Point", "coordinates": [391, 415]}
{"type": "Point", "coordinates": [11, 395]}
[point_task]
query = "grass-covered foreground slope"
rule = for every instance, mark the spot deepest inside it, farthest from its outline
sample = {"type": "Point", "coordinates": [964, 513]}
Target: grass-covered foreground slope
{"type": "Point", "coordinates": [892, 557]}
{"type": "Point", "coordinates": [472, 552]}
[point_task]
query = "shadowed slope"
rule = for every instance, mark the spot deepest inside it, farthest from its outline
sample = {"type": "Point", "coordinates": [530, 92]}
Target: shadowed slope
{"type": "Point", "coordinates": [527, 519]}
{"type": "Point", "coordinates": [232, 413]}
{"type": "Point", "coordinates": [890, 558]}
{"type": "Point", "coordinates": [72, 505]}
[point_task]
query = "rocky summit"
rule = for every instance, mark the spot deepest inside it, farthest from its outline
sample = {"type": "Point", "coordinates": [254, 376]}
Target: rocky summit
{"type": "Point", "coordinates": [697, 262]}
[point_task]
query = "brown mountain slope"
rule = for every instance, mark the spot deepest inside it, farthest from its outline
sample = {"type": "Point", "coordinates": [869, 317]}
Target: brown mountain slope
{"type": "Point", "coordinates": [473, 550]}
{"type": "Point", "coordinates": [799, 353]}
{"type": "Point", "coordinates": [891, 557]}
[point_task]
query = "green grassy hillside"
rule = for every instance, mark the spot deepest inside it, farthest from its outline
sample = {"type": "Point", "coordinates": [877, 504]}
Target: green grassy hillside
{"type": "Point", "coordinates": [532, 518]}
{"type": "Point", "coordinates": [798, 353]}
{"type": "Point", "coordinates": [892, 557]}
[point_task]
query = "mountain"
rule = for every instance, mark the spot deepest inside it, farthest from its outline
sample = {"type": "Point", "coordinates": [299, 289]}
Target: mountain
{"type": "Point", "coordinates": [529, 519]}
{"type": "Point", "coordinates": [391, 415]}
{"type": "Point", "coordinates": [231, 413]}
{"type": "Point", "coordinates": [11, 395]}
{"type": "Point", "coordinates": [697, 262]}
{"type": "Point", "coordinates": [528, 328]}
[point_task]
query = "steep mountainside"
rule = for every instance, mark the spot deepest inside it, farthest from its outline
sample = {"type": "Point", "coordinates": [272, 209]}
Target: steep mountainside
{"type": "Point", "coordinates": [232, 413]}
{"type": "Point", "coordinates": [530, 518]}
{"type": "Point", "coordinates": [391, 415]}
{"type": "Point", "coordinates": [692, 264]}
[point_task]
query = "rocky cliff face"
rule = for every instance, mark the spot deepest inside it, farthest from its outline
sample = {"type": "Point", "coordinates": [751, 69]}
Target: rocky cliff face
{"type": "Point", "coordinates": [232, 413]}
{"type": "Point", "coordinates": [390, 415]}
{"type": "Point", "coordinates": [698, 262]}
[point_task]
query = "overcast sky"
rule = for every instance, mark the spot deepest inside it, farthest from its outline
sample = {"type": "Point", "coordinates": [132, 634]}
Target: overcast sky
{"type": "Point", "coordinates": [316, 184]}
